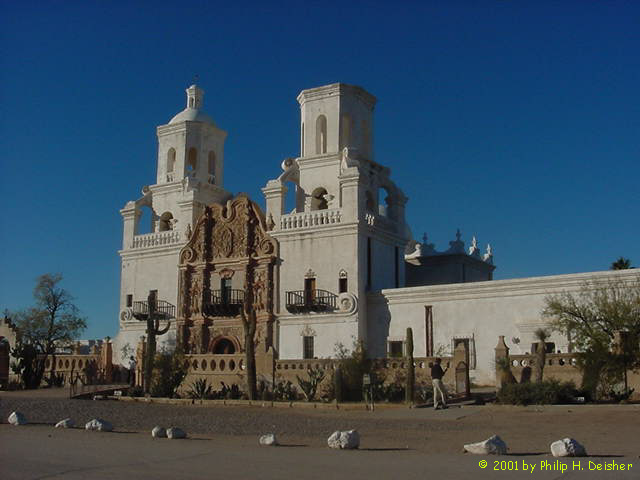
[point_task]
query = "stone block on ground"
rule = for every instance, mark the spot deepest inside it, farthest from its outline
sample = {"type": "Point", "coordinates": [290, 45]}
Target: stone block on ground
{"type": "Point", "coordinates": [66, 423]}
{"type": "Point", "coordinates": [491, 446]}
{"type": "Point", "coordinates": [99, 425]}
{"type": "Point", "coordinates": [568, 447]}
{"type": "Point", "coordinates": [17, 418]}
{"type": "Point", "coordinates": [175, 433]}
{"type": "Point", "coordinates": [158, 432]}
{"type": "Point", "coordinates": [269, 440]}
{"type": "Point", "coordinates": [346, 440]}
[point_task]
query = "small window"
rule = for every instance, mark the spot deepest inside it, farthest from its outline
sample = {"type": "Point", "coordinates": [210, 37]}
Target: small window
{"type": "Point", "coordinates": [321, 135]}
{"type": "Point", "coordinates": [342, 285]}
{"type": "Point", "coordinates": [129, 300]}
{"type": "Point", "coordinates": [307, 347]}
{"type": "Point", "coordinates": [192, 161]}
{"type": "Point", "coordinates": [212, 167]}
{"type": "Point", "coordinates": [395, 349]}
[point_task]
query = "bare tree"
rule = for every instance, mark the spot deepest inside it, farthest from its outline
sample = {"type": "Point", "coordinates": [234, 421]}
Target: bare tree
{"type": "Point", "coordinates": [592, 317]}
{"type": "Point", "coordinates": [53, 322]}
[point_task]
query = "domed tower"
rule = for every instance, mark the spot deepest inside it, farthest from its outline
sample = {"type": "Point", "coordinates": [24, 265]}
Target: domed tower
{"type": "Point", "coordinates": [189, 175]}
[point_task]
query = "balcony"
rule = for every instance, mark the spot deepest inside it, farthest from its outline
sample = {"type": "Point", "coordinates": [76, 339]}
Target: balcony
{"type": "Point", "coordinates": [160, 309]}
{"type": "Point", "coordinates": [224, 303]}
{"type": "Point", "coordinates": [305, 301]}
{"type": "Point", "coordinates": [169, 237]}
{"type": "Point", "coordinates": [314, 219]}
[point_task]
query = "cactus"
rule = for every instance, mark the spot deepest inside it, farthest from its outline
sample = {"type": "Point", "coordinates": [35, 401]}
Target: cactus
{"type": "Point", "coordinates": [411, 374]}
{"type": "Point", "coordinates": [337, 384]}
{"type": "Point", "coordinates": [541, 353]}
{"type": "Point", "coordinates": [153, 329]}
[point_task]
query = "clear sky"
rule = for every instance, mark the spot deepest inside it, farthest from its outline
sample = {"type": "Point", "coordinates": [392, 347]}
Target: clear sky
{"type": "Point", "coordinates": [515, 121]}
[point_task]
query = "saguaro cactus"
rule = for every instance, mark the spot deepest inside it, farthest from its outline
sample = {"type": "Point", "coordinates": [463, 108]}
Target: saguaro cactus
{"type": "Point", "coordinates": [411, 374]}
{"type": "Point", "coordinates": [153, 329]}
{"type": "Point", "coordinates": [337, 384]}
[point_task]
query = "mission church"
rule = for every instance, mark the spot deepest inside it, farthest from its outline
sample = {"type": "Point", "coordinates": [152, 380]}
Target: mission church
{"type": "Point", "coordinates": [339, 267]}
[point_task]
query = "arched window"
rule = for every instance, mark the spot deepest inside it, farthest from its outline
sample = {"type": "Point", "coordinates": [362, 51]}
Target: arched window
{"type": "Point", "coordinates": [369, 203]}
{"type": "Point", "coordinates": [192, 161]}
{"type": "Point", "coordinates": [302, 140]}
{"type": "Point", "coordinates": [171, 160]}
{"type": "Point", "coordinates": [321, 135]}
{"type": "Point", "coordinates": [191, 104]}
{"type": "Point", "coordinates": [144, 221]}
{"type": "Point", "coordinates": [318, 200]}
{"type": "Point", "coordinates": [212, 167]}
{"type": "Point", "coordinates": [384, 198]}
{"type": "Point", "coordinates": [166, 222]}
{"type": "Point", "coordinates": [345, 131]}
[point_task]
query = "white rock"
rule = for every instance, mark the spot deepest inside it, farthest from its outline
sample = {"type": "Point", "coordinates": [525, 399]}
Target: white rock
{"type": "Point", "coordinates": [158, 432]}
{"type": "Point", "coordinates": [175, 432]}
{"type": "Point", "coordinates": [567, 447]}
{"type": "Point", "coordinates": [99, 425]}
{"type": "Point", "coordinates": [66, 423]}
{"type": "Point", "coordinates": [16, 418]}
{"type": "Point", "coordinates": [491, 446]}
{"type": "Point", "coordinates": [269, 439]}
{"type": "Point", "coordinates": [344, 440]}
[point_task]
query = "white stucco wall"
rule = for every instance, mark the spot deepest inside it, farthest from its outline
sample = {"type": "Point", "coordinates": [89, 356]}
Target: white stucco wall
{"type": "Point", "coordinates": [481, 310]}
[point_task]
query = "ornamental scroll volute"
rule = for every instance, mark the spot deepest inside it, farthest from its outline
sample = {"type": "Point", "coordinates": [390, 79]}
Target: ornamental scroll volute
{"type": "Point", "coordinates": [229, 248]}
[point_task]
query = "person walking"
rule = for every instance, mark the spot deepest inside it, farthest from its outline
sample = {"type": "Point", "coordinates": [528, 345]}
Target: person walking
{"type": "Point", "coordinates": [132, 371]}
{"type": "Point", "coordinates": [438, 388]}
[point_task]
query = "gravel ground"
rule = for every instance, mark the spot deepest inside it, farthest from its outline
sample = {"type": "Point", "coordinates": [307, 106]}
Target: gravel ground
{"type": "Point", "coordinates": [604, 430]}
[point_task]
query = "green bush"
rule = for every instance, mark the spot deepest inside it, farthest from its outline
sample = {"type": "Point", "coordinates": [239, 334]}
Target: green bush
{"type": "Point", "coordinates": [169, 372]}
{"type": "Point", "coordinates": [546, 392]}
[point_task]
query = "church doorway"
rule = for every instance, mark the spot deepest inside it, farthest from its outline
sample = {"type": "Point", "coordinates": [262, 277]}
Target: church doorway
{"type": "Point", "coordinates": [224, 346]}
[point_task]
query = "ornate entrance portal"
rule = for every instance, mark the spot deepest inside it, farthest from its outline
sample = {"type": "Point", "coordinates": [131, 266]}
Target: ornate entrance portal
{"type": "Point", "coordinates": [226, 266]}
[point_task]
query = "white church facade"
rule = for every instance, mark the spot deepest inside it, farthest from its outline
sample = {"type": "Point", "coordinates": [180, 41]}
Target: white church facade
{"type": "Point", "coordinates": [345, 266]}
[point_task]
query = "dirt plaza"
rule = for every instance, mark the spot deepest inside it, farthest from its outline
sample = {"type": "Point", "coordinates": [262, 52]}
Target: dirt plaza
{"type": "Point", "coordinates": [222, 443]}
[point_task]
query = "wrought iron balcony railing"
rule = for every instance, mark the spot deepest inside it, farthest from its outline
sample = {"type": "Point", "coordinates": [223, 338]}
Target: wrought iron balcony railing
{"type": "Point", "coordinates": [304, 301]}
{"type": "Point", "coordinates": [161, 309]}
{"type": "Point", "coordinates": [224, 303]}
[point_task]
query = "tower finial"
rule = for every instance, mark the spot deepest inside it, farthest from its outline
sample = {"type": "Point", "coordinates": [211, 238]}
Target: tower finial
{"type": "Point", "coordinates": [195, 96]}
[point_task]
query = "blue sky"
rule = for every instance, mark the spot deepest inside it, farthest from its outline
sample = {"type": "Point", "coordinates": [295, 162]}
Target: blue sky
{"type": "Point", "coordinates": [517, 122]}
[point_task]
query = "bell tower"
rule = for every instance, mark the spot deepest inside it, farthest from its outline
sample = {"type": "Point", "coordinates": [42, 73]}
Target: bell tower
{"type": "Point", "coordinates": [189, 176]}
{"type": "Point", "coordinates": [191, 145]}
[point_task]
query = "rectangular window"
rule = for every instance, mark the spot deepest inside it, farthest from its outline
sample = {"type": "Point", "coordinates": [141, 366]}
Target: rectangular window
{"type": "Point", "coordinates": [396, 348]}
{"type": "Point", "coordinates": [129, 300]}
{"type": "Point", "coordinates": [428, 329]}
{"type": "Point", "coordinates": [342, 285]}
{"type": "Point", "coordinates": [225, 290]}
{"type": "Point", "coordinates": [307, 347]}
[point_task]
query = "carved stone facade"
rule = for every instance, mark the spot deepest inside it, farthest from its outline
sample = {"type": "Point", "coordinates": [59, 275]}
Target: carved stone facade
{"type": "Point", "coordinates": [228, 264]}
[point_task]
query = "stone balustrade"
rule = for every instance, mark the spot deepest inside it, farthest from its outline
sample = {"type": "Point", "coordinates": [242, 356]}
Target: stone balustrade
{"type": "Point", "coordinates": [210, 364]}
{"type": "Point", "coordinates": [170, 237]}
{"type": "Point", "coordinates": [316, 218]}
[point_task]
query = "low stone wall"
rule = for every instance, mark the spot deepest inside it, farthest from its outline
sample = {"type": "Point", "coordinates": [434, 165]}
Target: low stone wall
{"type": "Point", "coordinates": [560, 366]}
{"type": "Point", "coordinates": [216, 369]}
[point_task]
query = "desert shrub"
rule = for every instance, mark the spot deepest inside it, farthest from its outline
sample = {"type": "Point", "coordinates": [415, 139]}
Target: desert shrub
{"type": "Point", "coordinates": [200, 390]}
{"type": "Point", "coordinates": [136, 391]}
{"type": "Point", "coordinates": [285, 391]}
{"type": "Point", "coordinates": [169, 372]}
{"type": "Point", "coordinates": [546, 392]}
{"type": "Point", "coordinates": [310, 387]}
{"type": "Point", "coordinates": [55, 380]}
{"type": "Point", "coordinates": [353, 365]}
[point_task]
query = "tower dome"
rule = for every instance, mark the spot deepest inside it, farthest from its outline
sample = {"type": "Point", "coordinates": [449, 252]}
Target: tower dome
{"type": "Point", "coordinates": [193, 112]}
